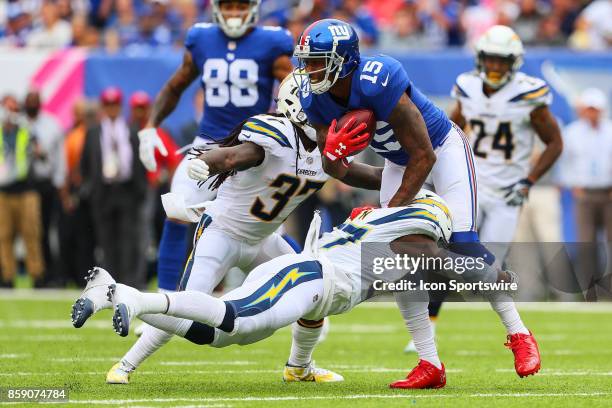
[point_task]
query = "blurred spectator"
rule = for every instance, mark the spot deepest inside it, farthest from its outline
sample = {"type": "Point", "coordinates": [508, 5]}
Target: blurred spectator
{"type": "Point", "coordinates": [76, 232]}
{"type": "Point", "coordinates": [594, 27]}
{"type": "Point", "coordinates": [152, 214]}
{"type": "Point", "coordinates": [587, 168]}
{"type": "Point", "coordinates": [53, 32]}
{"type": "Point", "coordinates": [114, 182]}
{"type": "Point", "coordinates": [154, 27]}
{"type": "Point", "coordinates": [549, 32]}
{"type": "Point", "coordinates": [361, 19]}
{"type": "Point", "coordinates": [18, 25]}
{"type": "Point", "coordinates": [19, 202]}
{"type": "Point", "coordinates": [404, 33]}
{"type": "Point", "coordinates": [528, 23]}
{"type": "Point", "coordinates": [586, 164]}
{"type": "Point", "coordinates": [125, 24]}
{"type": "Point", "coordinates": [440, 22]}
{"type": "Point", "coordinates": [99, 12]}
{"type": "Point", "coordinates": [84, 35]}
{"type": "Point", "coordinates": [49, 171]}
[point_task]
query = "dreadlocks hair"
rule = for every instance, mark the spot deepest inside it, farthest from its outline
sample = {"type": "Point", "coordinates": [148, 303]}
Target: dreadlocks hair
{"type": "Point", "coordinates": [232, 140]}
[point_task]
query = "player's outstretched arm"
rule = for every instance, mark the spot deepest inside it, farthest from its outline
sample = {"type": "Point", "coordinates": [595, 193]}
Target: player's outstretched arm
{"type": "Point", "coordinates": [240, 157]}
{"type": "Point", "coordinates": [411, 133]}
{"type": "Point", "coordinates": [170, 94]}
{"type": "Point", "coordinates": [548, 131]}
{"type": "Point", "coordinates": [457, 117]}
{"type": "Point", "coordinates": [362, 175]}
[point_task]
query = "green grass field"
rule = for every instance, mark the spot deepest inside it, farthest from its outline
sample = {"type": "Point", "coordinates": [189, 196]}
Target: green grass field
{"type": "Point", "coordinates": [39, 347]}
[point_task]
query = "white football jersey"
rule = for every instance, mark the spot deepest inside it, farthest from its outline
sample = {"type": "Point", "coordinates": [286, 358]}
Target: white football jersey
{"type": "Point", "coordinates": [500, 128]}
{"type": "Point", "coordinates": [426, 215]}
{"type": "Point", "coordinates": [253, 203]}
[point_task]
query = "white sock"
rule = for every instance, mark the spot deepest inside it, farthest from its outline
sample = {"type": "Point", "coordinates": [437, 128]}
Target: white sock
{"type": "Point", "coordinates": [151, 303]}
{"type": "Point", "coordinates": [151, 340]}
{"type": "Point", "coordinates": [304, 341]}
{"type": "Point", "coordinates": [416, 317]}
{"type": "Point", "coordinates": [197, 306]}
{"type": "Point", "coordinates": [509, 316]}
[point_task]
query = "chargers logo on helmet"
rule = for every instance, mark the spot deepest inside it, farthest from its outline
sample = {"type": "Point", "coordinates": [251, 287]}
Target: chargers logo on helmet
{"type": "Point", "coordinates": [332, 42]}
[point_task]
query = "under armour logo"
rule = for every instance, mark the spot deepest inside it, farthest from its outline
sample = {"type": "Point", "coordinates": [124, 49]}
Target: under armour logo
{"type": "Point", "coordinates": [340, 148]}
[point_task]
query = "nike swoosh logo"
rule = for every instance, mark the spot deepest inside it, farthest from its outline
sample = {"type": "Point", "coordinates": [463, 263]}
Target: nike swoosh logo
{"type": "Point", "coordinates": [386, 80]}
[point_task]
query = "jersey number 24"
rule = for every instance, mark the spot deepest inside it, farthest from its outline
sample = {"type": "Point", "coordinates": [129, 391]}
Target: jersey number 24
{"type": "Point", "coordinates": [502, 139]}
{"type": "Point", "coordinates": [242, 74]}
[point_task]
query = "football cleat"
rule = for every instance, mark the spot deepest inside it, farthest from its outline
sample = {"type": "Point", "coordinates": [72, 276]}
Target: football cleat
{"type": "Point", "coordinates": [424, 375]}
{"type": "Point", "coordinates": [125, 304]}
{"type": "Point", "coordinates": [310, 373]}
{"type": "Point", "coordinates": [118, 375]}
{"type": "Point", "coordinates": [526, 353]}
{"type": "Point", "coordinates": [93, 298]}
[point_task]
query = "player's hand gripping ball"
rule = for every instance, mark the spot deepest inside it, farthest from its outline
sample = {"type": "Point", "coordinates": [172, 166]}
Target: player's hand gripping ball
{"type": "Point", "coordinates": [350, 135]}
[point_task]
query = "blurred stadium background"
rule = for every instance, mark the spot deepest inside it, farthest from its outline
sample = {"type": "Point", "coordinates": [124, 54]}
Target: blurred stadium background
{"type": "Point", "coordinates": [60, 56]}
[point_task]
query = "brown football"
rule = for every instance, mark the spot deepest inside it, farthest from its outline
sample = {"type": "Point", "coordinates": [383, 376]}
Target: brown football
{"type": "Point", "coordinates": [361, 116]}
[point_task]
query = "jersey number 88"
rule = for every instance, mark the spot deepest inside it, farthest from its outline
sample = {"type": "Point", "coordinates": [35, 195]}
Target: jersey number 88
{"type": "Point", "coordinates": [242, 74]}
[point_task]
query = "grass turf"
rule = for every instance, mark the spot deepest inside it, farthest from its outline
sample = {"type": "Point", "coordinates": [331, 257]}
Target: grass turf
{"type": "Point", "coordinates": [39, 348]}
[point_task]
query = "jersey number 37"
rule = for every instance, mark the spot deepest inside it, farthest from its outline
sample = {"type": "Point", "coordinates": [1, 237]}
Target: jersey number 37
{"type": "Point", "coordinates": [242, 88]}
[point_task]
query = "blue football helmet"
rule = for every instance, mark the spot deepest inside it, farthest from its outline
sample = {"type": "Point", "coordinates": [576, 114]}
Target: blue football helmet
{"type": "Point", "coordinates": [332, 40]}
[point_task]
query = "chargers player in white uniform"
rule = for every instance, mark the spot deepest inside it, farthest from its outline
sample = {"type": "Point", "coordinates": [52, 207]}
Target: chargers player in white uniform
{"type": "Point", "coordinates": [421, 146]}
{"type": "Point", "coordinates": [236, 63]}
{"type": "Point", "coordinates": [323, 280]}
{"type": "Point", "coordinates": [264, 170]}
{"type": "Point", "coordinates": [502, 110]}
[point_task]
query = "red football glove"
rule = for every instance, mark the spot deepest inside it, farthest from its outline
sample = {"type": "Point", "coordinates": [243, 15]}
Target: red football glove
{"type": "Point", "coordinates": [358, 210]}
{"type": "Point", "coordinates": [346, 141]}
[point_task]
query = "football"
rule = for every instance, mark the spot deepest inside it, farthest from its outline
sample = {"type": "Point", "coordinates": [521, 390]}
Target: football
{"type": "Point", "coordinates": [362, 116]}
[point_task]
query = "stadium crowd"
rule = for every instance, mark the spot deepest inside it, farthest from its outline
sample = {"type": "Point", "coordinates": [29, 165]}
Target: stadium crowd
{"type": "Point", "coordinates": [90, 179]}
{"type": "Point", "coordinates": [387, 24]}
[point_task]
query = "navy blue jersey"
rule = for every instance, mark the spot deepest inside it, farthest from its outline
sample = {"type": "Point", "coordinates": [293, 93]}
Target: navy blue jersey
{"type": "Point", "coordinates": [378, 84]}
{"type": "Point", "coordinates": [236, 74]}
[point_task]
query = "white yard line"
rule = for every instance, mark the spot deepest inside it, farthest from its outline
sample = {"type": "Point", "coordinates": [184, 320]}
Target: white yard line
{"type": "Point", "coordinates": [339, 397]}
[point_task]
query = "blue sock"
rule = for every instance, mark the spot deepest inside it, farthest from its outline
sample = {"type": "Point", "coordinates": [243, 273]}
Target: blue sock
{"type": "Point", "coordinates": [467, 243]}
{"type": "Point", "coordinates": [171, 255]}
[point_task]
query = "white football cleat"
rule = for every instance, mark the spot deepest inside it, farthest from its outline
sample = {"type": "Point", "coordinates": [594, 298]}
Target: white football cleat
{"type": "Point", "coordinates": [310, 373]}
{"type": "Point", "coordinates": [125, 300]}
{"type": "Point", "coordinates": [93, 298]}
{"type": "Point", "coordinates": [118, 374]}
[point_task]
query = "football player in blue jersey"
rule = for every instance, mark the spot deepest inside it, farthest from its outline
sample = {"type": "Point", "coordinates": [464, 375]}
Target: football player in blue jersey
{"type": "Point", "coordinates": [236, 63]}
{"type": "Point", "coordinates": [421, 146]}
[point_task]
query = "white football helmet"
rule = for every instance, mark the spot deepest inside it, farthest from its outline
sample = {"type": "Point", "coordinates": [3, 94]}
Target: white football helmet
{"type": "Point", "coordinates": [435, 204]}
{"type": "Point", "coordinates": [235, 27]}
{"type": "Point", "coordinates": [288, 103]}
{"type": "Point", "coordinates": [500, 41]}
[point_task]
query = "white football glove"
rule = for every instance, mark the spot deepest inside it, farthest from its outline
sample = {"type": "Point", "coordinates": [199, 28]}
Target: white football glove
{"type": "Point", "coordinates": [517, 193]}
{"type": "Point", "coordinates": [197, 169]}
{"type": "Point", "coordinates": [149, 141]}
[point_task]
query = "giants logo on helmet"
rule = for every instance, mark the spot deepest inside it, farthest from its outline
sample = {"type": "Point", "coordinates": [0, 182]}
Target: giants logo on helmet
{"type": "Point", "coordinates": [340, 32]}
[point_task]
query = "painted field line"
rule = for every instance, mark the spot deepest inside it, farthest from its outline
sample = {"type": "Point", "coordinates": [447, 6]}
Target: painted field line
{"type": "Point", "coordinates": [340, 397]}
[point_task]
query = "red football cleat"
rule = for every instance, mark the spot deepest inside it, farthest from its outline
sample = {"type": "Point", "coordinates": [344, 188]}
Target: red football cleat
{"type": "Point", "coordinates": [526, 353]}
{"type": "Point", "coordinates": [424, 375]}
